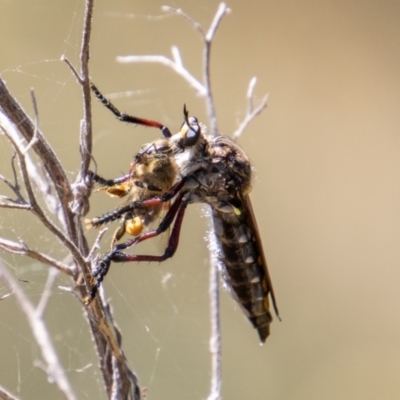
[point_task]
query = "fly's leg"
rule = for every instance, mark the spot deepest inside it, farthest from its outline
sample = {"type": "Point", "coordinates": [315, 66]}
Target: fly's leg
{"type": "Point", "coordinates": [176, 212]}
{"type": "Point", "coordinates": [119, 212]}
{"type": "Point", "coordinates": [129, 118]}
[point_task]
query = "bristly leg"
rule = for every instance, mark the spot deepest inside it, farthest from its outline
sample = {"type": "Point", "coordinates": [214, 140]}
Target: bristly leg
{"type": "Point", "coordinates": [108, 182]}
{"type": "Point", "coordinates": [175, 213]}
{"type": "Point", "coordinates": [129, 118]}
{"type": "Point", "coordinates": [119, 212]}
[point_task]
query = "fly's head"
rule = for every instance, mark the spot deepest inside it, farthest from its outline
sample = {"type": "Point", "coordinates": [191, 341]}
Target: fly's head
{"type": "Point", "coordinates": [189, 144]}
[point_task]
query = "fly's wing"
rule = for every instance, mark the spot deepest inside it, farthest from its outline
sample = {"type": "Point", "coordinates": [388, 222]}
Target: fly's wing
{"type": "Point", "coordinates": [252, 220]}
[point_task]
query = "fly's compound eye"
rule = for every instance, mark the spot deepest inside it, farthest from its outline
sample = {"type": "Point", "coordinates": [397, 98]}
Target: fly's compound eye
{"type": "Point", "coordinates": [190, 132]}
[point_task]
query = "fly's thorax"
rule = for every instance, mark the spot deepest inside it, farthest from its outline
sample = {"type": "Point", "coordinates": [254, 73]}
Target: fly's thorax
{"type": "Point", "coordinates": [229, 169]}
{"type": "Point", "coordinates": [217, 172]}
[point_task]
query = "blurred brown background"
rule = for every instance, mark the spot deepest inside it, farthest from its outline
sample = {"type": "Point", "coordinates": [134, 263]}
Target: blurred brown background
{"type": "Point", "coordinates": [326, 194]}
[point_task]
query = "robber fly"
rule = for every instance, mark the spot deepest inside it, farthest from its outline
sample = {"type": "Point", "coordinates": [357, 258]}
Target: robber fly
{"type": "Point", "coordinates": [207, 169]}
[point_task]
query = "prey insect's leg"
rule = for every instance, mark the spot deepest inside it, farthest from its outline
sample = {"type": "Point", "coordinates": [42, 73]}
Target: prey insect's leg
{"type": "Point", "coordinates": [155, 201]}
{"type": "Point", "coordinates": [129, 118]}
{"type": "Point", "coordinates": [108, 182]}
{"type": "Point", "coordinates": [176, 212]}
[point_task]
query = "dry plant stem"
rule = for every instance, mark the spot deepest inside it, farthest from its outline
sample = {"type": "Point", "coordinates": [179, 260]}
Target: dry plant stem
{"type": "Point", "coordinates": [10, 204]}
{"type": "Point", "coordinates": [175, 64]}
{"type": "Point", "coordinates": [96, 244]}
{"type": "Point", "coordinates": [35, 134]}
{"type": "Point", "coordinates": [5, 296]}
{"type": "Point", "coordinates": [24, 250]}
{"type": "Point", "coordinates": [204, 88]}
{"type": "Point", "coordinates": [117, 376]}
{"type": "Point", "coordinates": [81, 191]}
{"type": "Point", "coordinates": [41, 184]}
{"type": "Point", "coordinates": [207, 39]}
{"type": "Point", "coordinates": [7, 202]}
{"type": "Point", "coordinates": [215, 337]}
{"type": "Point", "coordinates": [39, 330]}
{"type": "Point", "coordinates": [14, 187]}
{"type": "Point", "coordinates": [5, 395]}
{"type": "Point", "coordinates": [251, 112]}
{"type": "Point", "coordinates": [37, 210]}
{"type": "Point", "coordinates": [119, 380]}
{"type": "Point", "coordinates": [16, 115]}
{"type": "Point", "coordinates": [51, 278]}
{"type": "Point", "coordinates": [222, 10]}
{"type": "Point", "coordinates": [20, 202]}
{"type": "Point", "coordinates": [86, 132]}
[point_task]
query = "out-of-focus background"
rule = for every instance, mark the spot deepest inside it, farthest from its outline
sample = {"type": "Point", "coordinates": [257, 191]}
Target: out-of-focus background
{"type": "Point", "coordinates": [326, 194]}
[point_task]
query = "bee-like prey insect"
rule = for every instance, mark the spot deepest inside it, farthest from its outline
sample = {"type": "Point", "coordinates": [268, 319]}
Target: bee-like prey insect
{"type": "Point", "coordinates": [152, 173]}
{"type": "Point", "coordinates": [207, 169]}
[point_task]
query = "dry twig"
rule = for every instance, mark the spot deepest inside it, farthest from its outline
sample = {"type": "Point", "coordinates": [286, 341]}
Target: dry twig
{"type": "Point", "coordinates": [67, 202]}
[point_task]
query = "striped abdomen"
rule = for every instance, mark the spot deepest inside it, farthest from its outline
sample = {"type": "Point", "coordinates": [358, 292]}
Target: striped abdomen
{"type": "Point", "coordinates": [243, 264]}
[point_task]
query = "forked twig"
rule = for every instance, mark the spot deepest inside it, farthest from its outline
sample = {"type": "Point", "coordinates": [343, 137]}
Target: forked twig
{"type": "Point", "coordinates": [202, 88]}
{"type": "Point", "coordinates": [41, 334]}
{"type": "Point", "coordinates": [23, 250]}
{"type": "Point", "coordinates": [36, 209]}
{"type": "Point", "coordinates": [251, 112]}
{"type": "Point", "coordinates": [175, 64]}
{"type": "Point", "coordinates": [72, 201]}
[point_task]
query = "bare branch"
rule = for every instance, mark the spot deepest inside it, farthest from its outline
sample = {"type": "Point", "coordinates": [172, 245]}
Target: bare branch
{"type": "Point", "coordinates": [203, 89]}
{"type": "Point", "coordinates": [36, 123]}
{"type": "Point", "coordinates": [72, 68]}
{"type": "Point", "coordinates": [5, 395]}
{"type": "Point", "coordinates": [51, 277]}
{"type": "Point", "coordinates": [86, 125]}
{"type": "Point", "coordinates": [20, 202]}
{"type": "Point", "coordinates": [36, 209]}
{"type": "Point", "coordinates": [96, 244]}
{"type": "Point", "coordinates": [221, 12]}
{"type": "Point", "coordinates": [120, 382]}
{"type": "Point", "coordinates": [175, 65]}
{"type": "Point", "coordinates": [23, 250]}
{"type": "Point", "coordinates": [5, 296]}
{"type": "Point", "coordinates": [54, 369]}
{"type": "Point", "coordinates": [179, 12]}
{"type": "Point", "coordinates": [10, 203]}
{"type": "Point", "coordinates": [81, 191]}
{"type": "Point", "coordinates": [16, 117]}
{"type": "Point", "coordinates": [215, 336]}
{"type": "Point", "coordinates": [41, 184]}
{"type": "Point", "coordinates": [251, 112]}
